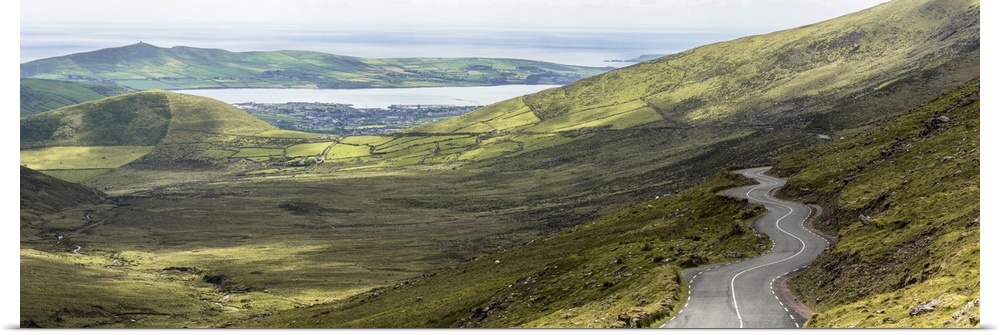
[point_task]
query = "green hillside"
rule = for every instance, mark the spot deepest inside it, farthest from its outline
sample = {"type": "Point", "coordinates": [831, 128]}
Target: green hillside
{"type": "Point", "coordinates": [903, 200]}
{"type": "Point", "coordinates": [824, 77]}
{"type": "Point", "coordinates": [580, 192]}
{"type": "Point", "coordinates": [41, 95]}
{"type": "Point", "coordinates": [42, 194]}
{"type": "Point", "coordinates": [621, 270]}
{"type": "Point", "coordinates": [144, 66]}
{"type": "Point", "coordinates": [77, 142]}
{"type": "Point", "coordinates": [666, 123]}
{"type": "Point", "coordinates": [915, 176]}
{"type": "Point", "coordinates": [139, 119]}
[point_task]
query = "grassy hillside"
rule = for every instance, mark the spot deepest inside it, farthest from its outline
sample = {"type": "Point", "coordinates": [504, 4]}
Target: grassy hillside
{"type": "Point", "coordinates": [41, 193]}
{"type": "Point", "coordinates": [42, 95]}
{"type": "Point", "coordinates": [136, 119]}
{"type": "Point", "coordinates": [144, 66]}
{"type": "Point", "coordinates": [227, 220]}
{"type": "Point", "coordinates": [621, 270]}
{"type": "Point", "coordinates": [914, 179]}
{"type": "Point", "coordinates": [671, 121]}
{"type": "Point", "coordinates": [825, 77]}
{"type": "Point", "coordinates": [80, 141]}
{"type": "Point", "coordinates": [903, 200]}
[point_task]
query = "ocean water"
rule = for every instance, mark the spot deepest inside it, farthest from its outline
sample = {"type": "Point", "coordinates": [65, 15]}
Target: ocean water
{"type": "Point", "coordinates": [587, 47]}
{"type": "Point", "coordinates": [375, 97]}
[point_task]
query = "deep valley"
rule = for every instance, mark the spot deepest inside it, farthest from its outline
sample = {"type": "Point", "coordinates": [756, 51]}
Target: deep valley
{"type": "Point", "coordinates": [575, 207]}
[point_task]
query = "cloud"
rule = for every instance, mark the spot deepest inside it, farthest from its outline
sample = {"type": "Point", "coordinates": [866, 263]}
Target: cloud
{"type": "Point", "coordinates": [654, 14]}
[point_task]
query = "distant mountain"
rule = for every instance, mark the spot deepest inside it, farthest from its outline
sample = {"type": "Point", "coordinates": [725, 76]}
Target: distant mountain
{"type": "Point", "coordinates": [41, 95]}
{"type": "Point", "coordinates": [145, 66]}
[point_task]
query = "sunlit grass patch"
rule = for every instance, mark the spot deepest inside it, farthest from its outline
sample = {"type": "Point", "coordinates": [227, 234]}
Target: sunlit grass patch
{"type": "Point", "coordinates": [366, 140]}
{"type": "Point", "coordinates": [348, 151]}
{"type": "Point", "coordinates": [598, 116]}
{"type": "Point", "coordinates": [61, 158]}
{"type": "Point", "coordinates": [282, 133]}
{"type": "Point", "coordinates": [307, 149]}
{"type": "Point", "coordinates": [75, 175]}
{"type": "Point", "coordinates": [492, 148]}
{"type": "Point", "coordinates": [538, 142]}
{"type": "Point", "coordinates": [259, 152]}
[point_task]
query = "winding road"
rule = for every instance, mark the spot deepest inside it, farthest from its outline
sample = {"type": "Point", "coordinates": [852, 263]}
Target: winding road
{"type": "Point", "coordinates": [744, 294]}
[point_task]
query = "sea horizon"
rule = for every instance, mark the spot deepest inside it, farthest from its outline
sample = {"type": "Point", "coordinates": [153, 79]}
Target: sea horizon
{"type": "Point", "coordinates": [578, 46]}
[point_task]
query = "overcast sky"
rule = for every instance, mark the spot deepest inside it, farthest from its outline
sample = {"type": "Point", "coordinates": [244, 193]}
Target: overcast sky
{"type": "Point", "coordinates": [758, 15]}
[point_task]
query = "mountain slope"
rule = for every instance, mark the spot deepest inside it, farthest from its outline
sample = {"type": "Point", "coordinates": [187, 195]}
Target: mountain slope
{"type": "Point", "coordinates": [665, 124]}
{"type": "Point", "coordinates": [42, 194]}
{"type": "Point", "coordinates": [144, 66]}
{"type": "Point", "coordinates": [41, 95]}
{"type": "Point", "coordinates": [621, 270]}
{"type": "Point", "coordinates": [165, 128]}
{"type": "Point", "coordinates": [137, 119]}
{"type": "Point", "coordinates": [903, 200]}
{"type": "Point", "coordinates": [828, 76]}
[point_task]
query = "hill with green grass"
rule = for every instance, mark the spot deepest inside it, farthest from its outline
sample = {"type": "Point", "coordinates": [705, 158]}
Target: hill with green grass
{"type": "Point", "coordinates": [903, 200]}
{"type": "Point", "coordinates": [43, 194]}
{"type": "Point", "coordinates": [42, 95]}
{"type": "Point", "coordinates": [158, 126]}
{"type": "Point", "coordinates": [824, 77]}
{"type": "Point", "coordinates": [145, 66]}
{"type": "Point", "coordinates": [665, 124]}
{"type": "Point", "coordinates": [225, 221]}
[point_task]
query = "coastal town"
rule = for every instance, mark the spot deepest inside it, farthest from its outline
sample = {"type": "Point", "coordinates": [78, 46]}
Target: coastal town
{"type": "Point", "coordinates": [345, 119]}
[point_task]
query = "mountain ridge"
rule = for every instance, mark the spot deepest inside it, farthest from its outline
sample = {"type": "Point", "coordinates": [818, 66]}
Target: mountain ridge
{"type": "Point", "coordinates": [822, 77]}
{"type": "Point", "coordinates": [145, 66]}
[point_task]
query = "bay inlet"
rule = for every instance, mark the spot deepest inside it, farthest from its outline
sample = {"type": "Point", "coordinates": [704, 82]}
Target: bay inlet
{"type": "Point", "coordinates": [374, 97]}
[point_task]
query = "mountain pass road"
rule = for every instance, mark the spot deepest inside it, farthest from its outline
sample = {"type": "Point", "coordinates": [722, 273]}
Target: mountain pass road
{"type": "Point", "coordinates": [743, 294]}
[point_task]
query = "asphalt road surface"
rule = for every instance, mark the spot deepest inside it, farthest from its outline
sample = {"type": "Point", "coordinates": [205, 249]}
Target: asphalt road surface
{"type": "Point", "coordinates": [743, 294]}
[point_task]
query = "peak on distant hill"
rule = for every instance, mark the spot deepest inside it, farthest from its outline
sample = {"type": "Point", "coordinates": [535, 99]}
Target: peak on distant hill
{"type": "Point", "coordinates": [145, 66]}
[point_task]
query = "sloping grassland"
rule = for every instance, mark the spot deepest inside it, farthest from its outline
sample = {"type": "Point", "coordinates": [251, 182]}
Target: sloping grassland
{"type": "Point", "coordinates": [903, 201]}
